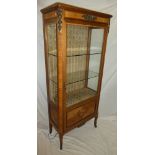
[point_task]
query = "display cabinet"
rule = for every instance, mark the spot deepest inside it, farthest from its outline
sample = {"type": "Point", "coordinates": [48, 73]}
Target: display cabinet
{"type": "Point", "coordinates": [75, 43]}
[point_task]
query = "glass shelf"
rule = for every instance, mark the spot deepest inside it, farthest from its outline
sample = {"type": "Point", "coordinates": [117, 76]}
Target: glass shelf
{"type": "Point", "coordinates": [73, 54]}
{"type": "Point", "coordinates": [82, 54]}
{"type": "Point", "coordinates": [79, 95]}
{"type": "Point", "coordinates": [80, 76]}
{"type": "Point", "coordinates": [52, 54]}
{"type": "Point", "coordinates": [76, 77]}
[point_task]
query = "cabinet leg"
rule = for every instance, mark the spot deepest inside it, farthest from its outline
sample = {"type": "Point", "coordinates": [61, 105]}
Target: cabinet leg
{"type": "Point", "coordinates": [61, 140]}
{"type": "Point", "coordinates": [50, 128]}
{"type": "Point", "coordinates": [95, 121]}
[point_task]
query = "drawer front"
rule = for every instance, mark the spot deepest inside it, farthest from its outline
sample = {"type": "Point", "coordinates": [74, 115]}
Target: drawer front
{"type": "Point", "coordinates": [85, 17]}
{"type": "Point", "coordinates": [80, 113]}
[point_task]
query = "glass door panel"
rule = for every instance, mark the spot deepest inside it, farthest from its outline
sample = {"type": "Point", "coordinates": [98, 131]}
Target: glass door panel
{"type": "Point", "coordinates": [84, 48]}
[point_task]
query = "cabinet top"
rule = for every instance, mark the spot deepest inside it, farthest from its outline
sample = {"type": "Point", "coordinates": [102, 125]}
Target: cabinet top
{"type": "Point", "coordinates": [57, 5]}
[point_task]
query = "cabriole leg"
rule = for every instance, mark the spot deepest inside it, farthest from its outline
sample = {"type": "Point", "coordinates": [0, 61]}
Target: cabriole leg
{"type": "Point", "coordinates": [50, 127]}
{"type": "Point", "coordinates": [95, 121]}
{"type": "Point", "coordinates": [50, 130]}
{"type": "Point", "coordinates": [61, 140]}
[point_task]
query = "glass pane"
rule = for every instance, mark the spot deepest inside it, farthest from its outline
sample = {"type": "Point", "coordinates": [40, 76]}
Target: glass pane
{"type": "Point", "coordinates": [52, 61]}
{"type": "Point", "coordinates": [94, 60]}
{"type": "Point", "coordinates": [96, 41]}
{"type": "Point", "coordinates": [51, 30]}
{"type": "Point", "coordinates": [84, 47]}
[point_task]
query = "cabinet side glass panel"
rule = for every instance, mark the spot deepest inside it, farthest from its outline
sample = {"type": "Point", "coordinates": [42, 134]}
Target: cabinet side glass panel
{"type": "Point", "coordinates": [94, 59]}
{"type": "Point", "coordinates": [52, 68]}
{"type": "Point", "coordinates": [52, 61]}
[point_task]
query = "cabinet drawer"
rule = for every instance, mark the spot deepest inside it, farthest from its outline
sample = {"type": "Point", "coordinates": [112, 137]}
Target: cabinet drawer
{"type": "Point", "coordinates": [80, 113]}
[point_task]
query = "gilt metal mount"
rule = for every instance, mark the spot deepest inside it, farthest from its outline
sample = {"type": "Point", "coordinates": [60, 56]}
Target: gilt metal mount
{"type": "Point", "coordinates": [89, 17]}
{"type": "Point", "coordinates": [59, 20]}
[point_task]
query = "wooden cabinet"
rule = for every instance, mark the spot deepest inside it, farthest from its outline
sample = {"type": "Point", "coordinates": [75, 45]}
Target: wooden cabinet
{"type": "Point", "coordinates": [75, 44]}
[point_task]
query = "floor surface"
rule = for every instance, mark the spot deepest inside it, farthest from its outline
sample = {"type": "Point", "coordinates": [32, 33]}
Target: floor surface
{"type": "Point", "coordinates": [85, 140]}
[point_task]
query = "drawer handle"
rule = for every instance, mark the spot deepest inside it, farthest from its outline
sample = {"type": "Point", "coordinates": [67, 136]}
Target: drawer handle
{"type": "Point", "coordinates": [89, 17]}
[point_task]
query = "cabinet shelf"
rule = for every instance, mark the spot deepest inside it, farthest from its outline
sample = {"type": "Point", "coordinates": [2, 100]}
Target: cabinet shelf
{"type": "Point", "coordinates": [79, 95]}
{"type": "Point", "coordinates": [77, 54]}
{"type": "Point", "coordinates": [77, 77]}
{"type": "Point", "coordinates": [82, 54]}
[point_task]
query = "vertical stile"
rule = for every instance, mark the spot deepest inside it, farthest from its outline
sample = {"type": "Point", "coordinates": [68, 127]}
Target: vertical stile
{"type": "Point", "coordinates": [61, 46]}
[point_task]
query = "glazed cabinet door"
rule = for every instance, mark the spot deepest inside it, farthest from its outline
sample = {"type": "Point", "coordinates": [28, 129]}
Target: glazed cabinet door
{"type": "Point", "coordinates": [83, 61]}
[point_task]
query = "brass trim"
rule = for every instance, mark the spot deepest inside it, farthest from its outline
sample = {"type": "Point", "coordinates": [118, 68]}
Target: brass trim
{"type": "Point", "coordinates": [59, 20]}
{"type": "Point", "coordinates": [89, 17]}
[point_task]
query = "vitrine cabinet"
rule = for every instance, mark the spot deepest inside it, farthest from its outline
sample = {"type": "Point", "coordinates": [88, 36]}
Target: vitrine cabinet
{"type": "Point", "coordinates": [75, 44]}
